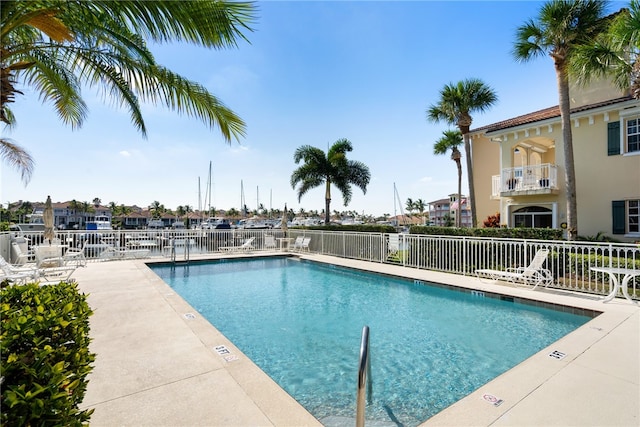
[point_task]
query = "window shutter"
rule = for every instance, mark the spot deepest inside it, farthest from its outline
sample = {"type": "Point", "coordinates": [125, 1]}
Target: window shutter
{"type": "Point", "coordinates": [618, 216]}
{"type": "Point", "coordinates": [613, 138]}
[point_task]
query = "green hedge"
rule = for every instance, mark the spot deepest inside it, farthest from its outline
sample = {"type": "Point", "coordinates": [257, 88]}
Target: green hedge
{"type": "Point", "coordinates": [45, 355]}
{"type": "Point", "coordinates": [505, 233]}
{"type": "Point", "coordinates": [363, 228]}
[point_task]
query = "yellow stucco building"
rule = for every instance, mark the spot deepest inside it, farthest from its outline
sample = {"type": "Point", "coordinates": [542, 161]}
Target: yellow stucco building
{"type": "Point", "coordinates": [519, 166]}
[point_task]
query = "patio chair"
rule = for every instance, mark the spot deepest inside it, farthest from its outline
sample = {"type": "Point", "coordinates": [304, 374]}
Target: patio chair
{"type": "Point", "coordinates": [304, 246]}
{"type": "Point", "coordinates": [297, 244]}
{"type": "Point", "coordinates": [534, 274]}
{"type": "Point", "coordinates": [17, 274]}
{"type": "Point", "coordinates": [246, 246]}
{"type": "Point", "coordinates": [269, 242]}
{"type": "Point", "coordinates": [393, 247]}
{"type": "Point", "coordinates": [75, 255]}
{"type": "Point", "coordinates": [20, 251]}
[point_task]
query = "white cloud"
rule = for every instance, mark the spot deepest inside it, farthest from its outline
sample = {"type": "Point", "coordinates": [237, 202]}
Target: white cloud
{"type": "Point", "coordinates": [125, 153]}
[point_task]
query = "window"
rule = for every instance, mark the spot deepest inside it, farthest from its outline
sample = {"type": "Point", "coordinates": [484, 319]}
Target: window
{"type": "Point", "coordinates": [533, 217]}
{"type": "Point", "coordinates": [633, 135]}
{"type": "Point", "coordinates": [626, 216]}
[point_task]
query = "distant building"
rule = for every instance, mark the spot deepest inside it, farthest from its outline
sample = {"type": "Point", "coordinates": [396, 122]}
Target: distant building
{"type": "Point", "coordinates": [439, 210]}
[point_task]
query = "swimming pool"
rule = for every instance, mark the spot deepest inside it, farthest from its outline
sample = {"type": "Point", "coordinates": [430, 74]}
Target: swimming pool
{"type": "Point", "coordinates": [301, 322]}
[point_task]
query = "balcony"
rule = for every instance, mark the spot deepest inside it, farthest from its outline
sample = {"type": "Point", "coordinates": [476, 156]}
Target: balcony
{"type": "Point", "coordinates": [527, 180]}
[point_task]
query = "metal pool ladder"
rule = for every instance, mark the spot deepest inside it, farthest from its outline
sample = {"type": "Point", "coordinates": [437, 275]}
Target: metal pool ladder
{"type": "Point", "coordinates": [185, 255]}
{"type": "Point", "coordinates": [364, 378]}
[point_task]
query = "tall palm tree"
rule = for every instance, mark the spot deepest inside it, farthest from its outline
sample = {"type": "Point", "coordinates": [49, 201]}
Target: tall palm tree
{"type": "Point", "coordinates": [58, 46]}
{"type": "Point", "coordinates": [450, 140]}
{"type": "Point", "coordinates": [614, 53]}
{"type": "Point", "coordinates": [331, 168]}
{"type": "Point", "coordinates": [559, 29]}
{"type": "Point", "coordinates": [456, 104]}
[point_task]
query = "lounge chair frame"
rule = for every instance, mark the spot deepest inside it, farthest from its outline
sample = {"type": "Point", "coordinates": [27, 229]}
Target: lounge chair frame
{"type": "Point", "coordinates": [532, 275]}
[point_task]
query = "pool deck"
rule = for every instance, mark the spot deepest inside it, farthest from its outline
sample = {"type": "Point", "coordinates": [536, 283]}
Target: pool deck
{"type": "Point", "coordinates": [160, 364]}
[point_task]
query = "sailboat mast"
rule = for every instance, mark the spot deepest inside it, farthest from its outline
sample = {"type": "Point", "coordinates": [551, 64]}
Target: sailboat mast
{"type": "Point", "coordinates": [209, 209]}
{"type": "Point", "coordinates": [242, 204]}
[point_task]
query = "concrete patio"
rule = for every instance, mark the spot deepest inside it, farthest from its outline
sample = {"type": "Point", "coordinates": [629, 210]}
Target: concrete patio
{"type": "Point", "coordinates": [160, 364]}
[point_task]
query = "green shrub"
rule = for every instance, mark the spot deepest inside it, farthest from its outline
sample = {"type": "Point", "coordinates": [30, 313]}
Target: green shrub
{"type": "Point", "coordinates": [505, 233]}
{"type": "Point", "coordinates": [363, 228]}
{"type": "Point", "coordinates": [45, 355]}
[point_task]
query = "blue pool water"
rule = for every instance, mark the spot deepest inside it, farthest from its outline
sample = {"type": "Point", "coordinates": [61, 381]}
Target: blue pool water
{"type": "Point", "coordinates": [301, 323]}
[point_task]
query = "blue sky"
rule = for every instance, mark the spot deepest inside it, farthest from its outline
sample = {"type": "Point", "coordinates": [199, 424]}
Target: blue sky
{"type": "Point", "coordinates": [314, 72]}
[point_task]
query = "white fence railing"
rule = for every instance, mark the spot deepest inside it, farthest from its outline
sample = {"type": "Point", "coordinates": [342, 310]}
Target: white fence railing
{"type": "Point", "coordinates": [569, 262]}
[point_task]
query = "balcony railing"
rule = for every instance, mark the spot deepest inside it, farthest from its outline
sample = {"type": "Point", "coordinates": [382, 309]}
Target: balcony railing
{"type": "Point", "coordinates": [538, 178]}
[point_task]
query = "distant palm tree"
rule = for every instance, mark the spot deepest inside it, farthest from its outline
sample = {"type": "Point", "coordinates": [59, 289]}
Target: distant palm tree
{"type": "Point", "coordinates": [456, 103]}
{"type": "Point", "coordinates": [58, 46]}
{"type": "Point", "coordinates": [615, 53]}
{"type": "Point", "coordinates": [450, 140]}
{"type": "Point", "coordinates": [157, 209]}
{"type": "Point", "coordinates": [409, 205]}
{"type": "Point", "coordinates": [332, 168]}
{"type": "Point", "coordinates": [559, 29]}
{"type": "Point", "coordinates": [420, 206]}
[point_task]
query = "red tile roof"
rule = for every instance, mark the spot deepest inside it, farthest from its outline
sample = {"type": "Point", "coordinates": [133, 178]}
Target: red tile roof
{"type": "Point", "coordinates": [547, 113]}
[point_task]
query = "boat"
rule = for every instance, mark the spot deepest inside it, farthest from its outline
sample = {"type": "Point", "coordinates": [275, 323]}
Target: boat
{"type": "Point", "coordinates": [36, 223]}
{"type": "Point", "coordinates": [215, 223]}
{"type": "Point", "coordinates": [99, 223]}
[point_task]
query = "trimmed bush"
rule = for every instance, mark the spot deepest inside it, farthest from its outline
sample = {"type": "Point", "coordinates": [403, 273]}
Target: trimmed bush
{"type": "Point", "coordinates": [504, 233]}
{"type": "Point", "coordinates": [45, 355]}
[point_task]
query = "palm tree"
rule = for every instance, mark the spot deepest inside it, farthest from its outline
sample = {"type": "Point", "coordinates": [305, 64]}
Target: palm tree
{"type": "Point", "coordinates": [451, 139]}
{"type": "Point", "coordinates": [58, 46]}
{"type": "Point", "coordinates": [332, 168]}
{"type": "Point", "coordinates": [157, 209]}
{"type": "Point", "coordinates": [409, 205]}
{"type": "Point", "coordinates": [420, 206]}
{"type": "Point", "coordinates": [456, 103]}
{"type": "Point", "coordinates": [614, 53]}
{"type": "Point", "coordinates": [560, 28]}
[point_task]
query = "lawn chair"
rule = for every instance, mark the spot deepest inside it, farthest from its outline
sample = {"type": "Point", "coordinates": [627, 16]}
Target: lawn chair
{"type": "Point", "coordinates": [304, 246]}
{"type": "Point", "coordinates": [393, 247]}
{"type": "Point", "coordinates": [17, 274]}
{"type": "Point", "coordinates": [534, 274]}
{"type": "Point", "coordinates": [246, 246]}
{"type": "Point", "coordinates": [75, 256]}
{"type": "Point", "coordinates": [269, 242]}
{"type": "Point", "coordinates": [297, 244]}
{"type": "Point", "coordinates": [20, 252]}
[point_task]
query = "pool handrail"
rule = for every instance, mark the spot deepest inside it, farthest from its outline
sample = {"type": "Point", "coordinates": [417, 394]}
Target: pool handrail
{"type": "Point", "coordinates": [364, 377]}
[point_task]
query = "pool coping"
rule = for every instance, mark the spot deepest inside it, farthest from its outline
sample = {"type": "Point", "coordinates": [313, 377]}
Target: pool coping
{"type": "Point", "coordinates": [595, 382]}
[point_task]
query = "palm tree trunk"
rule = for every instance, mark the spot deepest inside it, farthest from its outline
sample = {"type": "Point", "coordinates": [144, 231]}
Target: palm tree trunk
{"type": "Point", "coordinates": [569, 167]}
{"type": "Point", "coordinates": [472, 191]}
{"type": "Point", "coordinates": [459, 217]}
{"type": "Point", "coordinates": [327, 203]}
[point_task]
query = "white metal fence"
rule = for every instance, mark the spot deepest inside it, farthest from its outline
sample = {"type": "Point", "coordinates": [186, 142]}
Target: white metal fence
{"type": "Point", "coordinates": [569, 262]}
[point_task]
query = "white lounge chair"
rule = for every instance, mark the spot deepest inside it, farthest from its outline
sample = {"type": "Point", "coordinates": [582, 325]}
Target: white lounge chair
{"type": "Point", "coordinates": [33, 273]}
{"type": "Point", "coordinates": [304, 246]}
{"type": "Point", "coordinates": [17, 274]}
{"type": "Point", "coordinates": [269, 242]}
{"type": "Point", "coordinates": [20, 252]}
{"type": "Point", "coordinates": [297, 244]}
{"type": "Point", "coordinates": [393, 247]}
{"type": "Point", "coordinates": [75, 256]}
{"type": "Point", "coordinates": [534, 274]}
{"type": "Point", "coordinates": [246, 246]}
